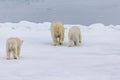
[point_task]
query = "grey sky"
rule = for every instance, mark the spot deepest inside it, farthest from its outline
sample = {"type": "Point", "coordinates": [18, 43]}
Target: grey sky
{"type": "Point", "coordinates": [69, 11]}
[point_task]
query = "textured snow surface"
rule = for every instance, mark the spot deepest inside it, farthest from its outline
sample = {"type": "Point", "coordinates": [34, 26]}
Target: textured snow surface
{"type": "Point", "coordinates": [98, 57]}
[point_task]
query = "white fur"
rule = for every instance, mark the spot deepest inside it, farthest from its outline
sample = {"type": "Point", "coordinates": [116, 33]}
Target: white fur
{"type": "Point", "coordinates": [74, 36]}
{"type": "Point", "coordinates": [13, 45]}
{"type": "Point", "coordinates": [57, 32]}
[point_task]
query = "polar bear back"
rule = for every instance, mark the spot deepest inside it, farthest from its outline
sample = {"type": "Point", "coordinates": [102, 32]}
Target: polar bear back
{"type": "Point", "coordinates": [14, 42]}
{"type": "Point", "coordinates": [74, 36]}
{"type": "Point", "coordinates": [57, 32]}
{"type": "Point", "coordinates": [57, 29]}
{"type": "Point", "coordinates": [73, 32]}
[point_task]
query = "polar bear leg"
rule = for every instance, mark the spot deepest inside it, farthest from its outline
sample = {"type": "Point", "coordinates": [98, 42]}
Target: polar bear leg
{"type": "Point", "coordinates": [77, 41]}
{"type": "Point", "coordinates": [61, 40]}
{"type": "Point", "coordinates": [71, 43]}
{"type": "Point", "coordinates": [15, 54]}
{"type": "Point", "coordinates": [8, 55]}
{"type": "Point", "coordinates": [54, 41]}
{"type": "Point", "coordinates": [8, 51]}
{"type": "Point", "coordinates": [53, 38]}
{"type": "Point", "coordinates": [80, 39]}
{"type": "Point", "coordinates": [18, 51]}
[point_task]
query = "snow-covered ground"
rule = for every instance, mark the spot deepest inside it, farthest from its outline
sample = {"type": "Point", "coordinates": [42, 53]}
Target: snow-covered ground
{"type": "Point", "coordinates": [98, 57]}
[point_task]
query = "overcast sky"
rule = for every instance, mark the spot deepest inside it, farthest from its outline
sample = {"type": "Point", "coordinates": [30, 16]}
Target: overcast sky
{"type": "Point", "coordinates": [68, 11]}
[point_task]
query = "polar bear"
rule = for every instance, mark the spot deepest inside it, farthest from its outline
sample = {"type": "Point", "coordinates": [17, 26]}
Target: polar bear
{"type": "Point", "coordinates": [57, 33]}
{"type": "Point", "coordinates": [74, 36]}
{"type": "Point", "coordinates": [13, 45]}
